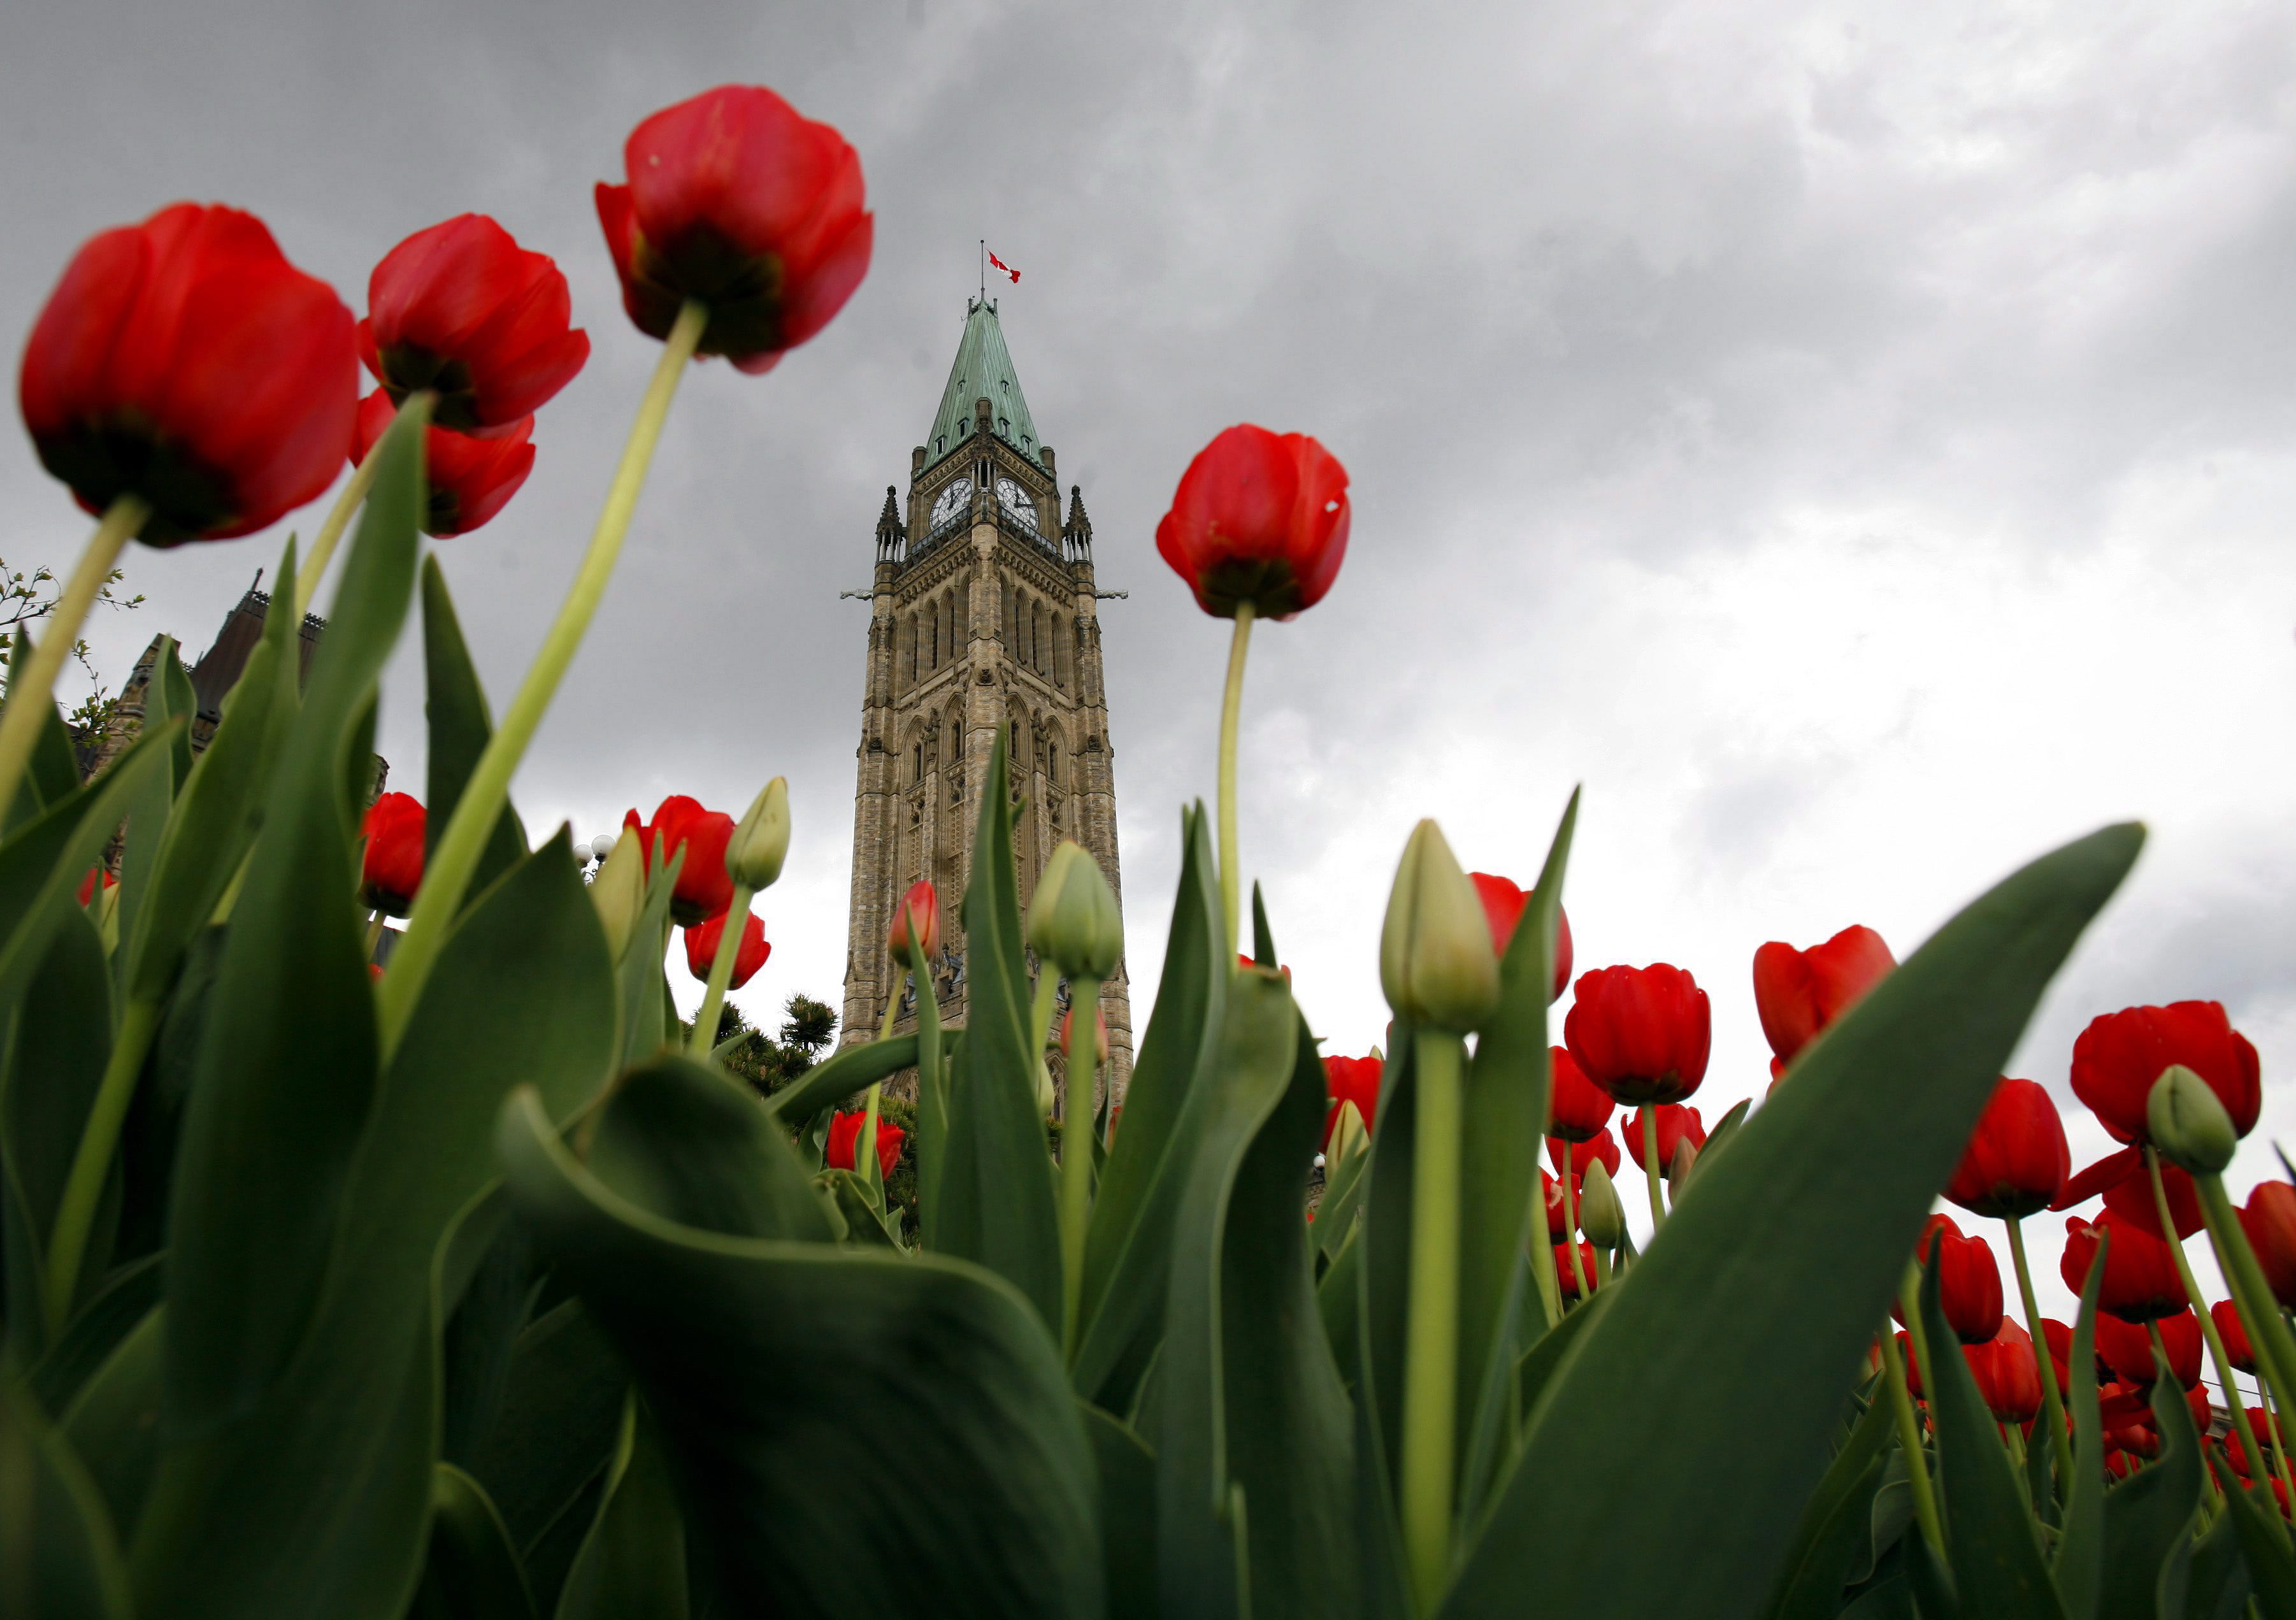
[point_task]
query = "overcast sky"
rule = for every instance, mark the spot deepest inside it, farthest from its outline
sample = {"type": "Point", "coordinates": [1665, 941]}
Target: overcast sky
{"type": "Point", "coordinates": [1855, 442]}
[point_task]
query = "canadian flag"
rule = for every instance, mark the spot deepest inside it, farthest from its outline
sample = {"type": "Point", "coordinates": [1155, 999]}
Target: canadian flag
{"type": "Point", "coordinates": [1006, 268]}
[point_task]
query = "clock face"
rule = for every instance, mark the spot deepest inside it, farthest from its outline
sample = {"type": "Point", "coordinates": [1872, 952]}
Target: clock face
{"type": "Point", "coordinates": [954, 499]}
{"type": "Point", "coordinates": [1016, 501]}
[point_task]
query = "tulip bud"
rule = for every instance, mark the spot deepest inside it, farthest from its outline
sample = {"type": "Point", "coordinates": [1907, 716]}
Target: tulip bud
{"type": "Point", "coordinates": [1348, 1134]}
{"type": "Point", "coordinates": [2187, 1121]}
{"type": "Point", "coordinates": [1074, 921]}
{"type": "Point", "coordinates": [1435, 958]}
{"type": "Point", "coordinates": [1601, 1217]}
{"type": "Point", "coordinates": [1685, 1159]}
{"type": "Point", "coordinates": [619, 890]}
{"type": "Point", "coordinates": [760, 844]}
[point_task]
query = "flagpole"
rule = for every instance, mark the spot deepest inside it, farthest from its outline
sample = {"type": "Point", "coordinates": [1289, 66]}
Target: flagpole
{"type": "Point", "coordinates": [984, 269]}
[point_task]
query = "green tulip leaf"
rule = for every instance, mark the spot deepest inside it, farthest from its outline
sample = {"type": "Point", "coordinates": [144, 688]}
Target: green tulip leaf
{"type": "Point", "coordinates": [648, 1018]}
{"type": "Point", "coordinates": [52, 774]}
{"type": "Point", "coordinates": [44, 861]}
{"type": "Point", "coordinates": [2217, 1586]}
{"type": "Point", "coordinates": [1127, 1470]}
{"type": "Point", "coordinates": [542, 1460]}
{"type": "Point", "coordinates": [1500, 1212]}
{"type": "Point", "coordinates": [125, 1299]}
{"type": "Point", "coordinates": [2148, 1516]}
{"type": "Point", "coordinates": [681, 1141]}
{"type": "Point", "coordinates": [932, 1096]}
{"type": "Point", "coordinates": [471, 1571]}
{"type": "Point", "coordinates": [1684, 1406]}
{"type": "Point", "coordinates": [2263, 1544]}
{"type": "Point", "coordinates": [1252, 1411]}
{"type": "Point", "coordinates": [331, 1462]}
{"type": "Point", "coordinates": [167, 697]}
{"type": "Point", "coordinates": [55, 1060]}
{"type": "Point", "coordinates": [847, 1075]}
{"type": "Point", "coordinates": [490, 1278]}
{"type": "Point", "coordinates": [59, 1554]}
{"type": "Point", "coordinates": [461, 726]}
{"type": "Point", "coordinates": [996, 1199]}
{"type": "Point", "coordinates": [1137, 1207]}
{"type": "Point", "coordinates": [846, 1358]}
{"type": "Point", "coordinates": [632, 1561]}
{"type": "Point", "coordinates": [113, 1422]}
{"type": "Point", "coordinates": [1836, 1521]}
{"type": "Point", "coordinates": [2080, 1564]}
{"type": "Point", "coordinates": [1997, 1566]}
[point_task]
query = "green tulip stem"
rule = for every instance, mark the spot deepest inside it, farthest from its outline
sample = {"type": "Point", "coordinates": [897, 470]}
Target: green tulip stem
{"type": "Point", "coordinates": [1910, 1304]}
{"type": "Point", "coordinates": [32, 687]}
{"type": "Point", "coordinates": [2252, 1295]}
{"type": "Point", "coordinates": [1082, 1051]}
{"type": "Point", "coordinates": [1570, 1228]}
{"type": "Point", "coordinates": [1431, 1365]}
{"type": "Point", "coordinates": [375, 923]}
{"type": "Point", "coordinates": [1909, 1441]}
{"type": "Point", "coordinates": [1650, 1167]}
{"type": "Point", "coordinates": [721, 972]}
{"type": "Point", "coordinates": [91, 1163]}
{"type": "Point", "coordinates": [2052, 1400]}
{"type": "Point", "coordinates": [1231, 711]}
{"type": "Point", "coordinates": [456, 860]}
{"type": "Point", "coordinates": [1601, 1266]}
{"type": "Point", "coordinates": [338, 518]}
{"type": "Point", "coordinates": [2256, 1467]}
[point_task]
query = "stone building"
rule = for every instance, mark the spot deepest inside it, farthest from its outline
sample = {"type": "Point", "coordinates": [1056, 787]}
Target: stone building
{"type": "Point", "coordinates": [982, 619]}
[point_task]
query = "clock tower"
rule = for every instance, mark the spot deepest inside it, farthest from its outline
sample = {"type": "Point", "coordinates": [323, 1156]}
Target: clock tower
{"type": "Point", "coordinates": [982, 620]}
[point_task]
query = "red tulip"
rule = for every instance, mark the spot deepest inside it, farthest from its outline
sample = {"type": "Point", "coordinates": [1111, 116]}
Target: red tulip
{"type": "Point", "coordinates": [2234, 1331]}
{"type": "Point", "coordinates": [1798, 992]}
{"type": "Point", "coordinates": [1676, 1125]}
{"type": "Point", "coordinates": [391, 869]}
{"type": "Point", "coordinates": [1567, 1274]}
{"type": "Point", "coordinates": [1351, 1080]}
{"type": "Point", "coordinates": [1577, 1107]}
{"type": "Point", "coordinates": [702, 939]}
{"type": "Point", "coordinates": [2121, 1054]}
{"type": "Point", "coordinates": [2269, 1221]}
{"type": "Point", "coordinates": [187, 362]}
{"type": "Point", "coordinates": [1259, 518]}
{"type": "Point", "coordinates": [1641, 1034]}
{"type": "Point", "coordinates": [1969, 1284]}
{"type": "Point", "coordinates": [845, 1141]}
{"type": "Point", "coordinates": [1600, 1147]}
{"type": "Point", "coordinates": [471, 479]}
{"type": "Point", "coordinates": [2127, 1347]}
{"type": "Point", "coordinates": [2140, 1276]}
{"type": "Point", "coordinates": [704, 886]}
{"type": "Point", "coordinates": [923, 903]}
{"type": "Point", "coordinates": [1099, 1032]}
{"type": "Point", "coordinates": [485, 325]}
{"type": "Point", "coordinates": [1503, 904]}
{"type": "Point", "coordinates": [87, 884]}
{"type": "Point", "coordinates": [737, 200]}
{"type": "Point", "coordinates": [2008, 1377]}
{"type": "Point", "coordinates": [2016, 1159]}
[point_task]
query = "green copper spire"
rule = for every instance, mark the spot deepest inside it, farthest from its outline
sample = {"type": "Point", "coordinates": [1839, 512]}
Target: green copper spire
{"type": "Point", "coordinates": [983, 368]}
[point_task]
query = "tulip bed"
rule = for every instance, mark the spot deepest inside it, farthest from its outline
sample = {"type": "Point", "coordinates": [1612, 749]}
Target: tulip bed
{"type": "Point", "coordinates": [479, 1289]}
